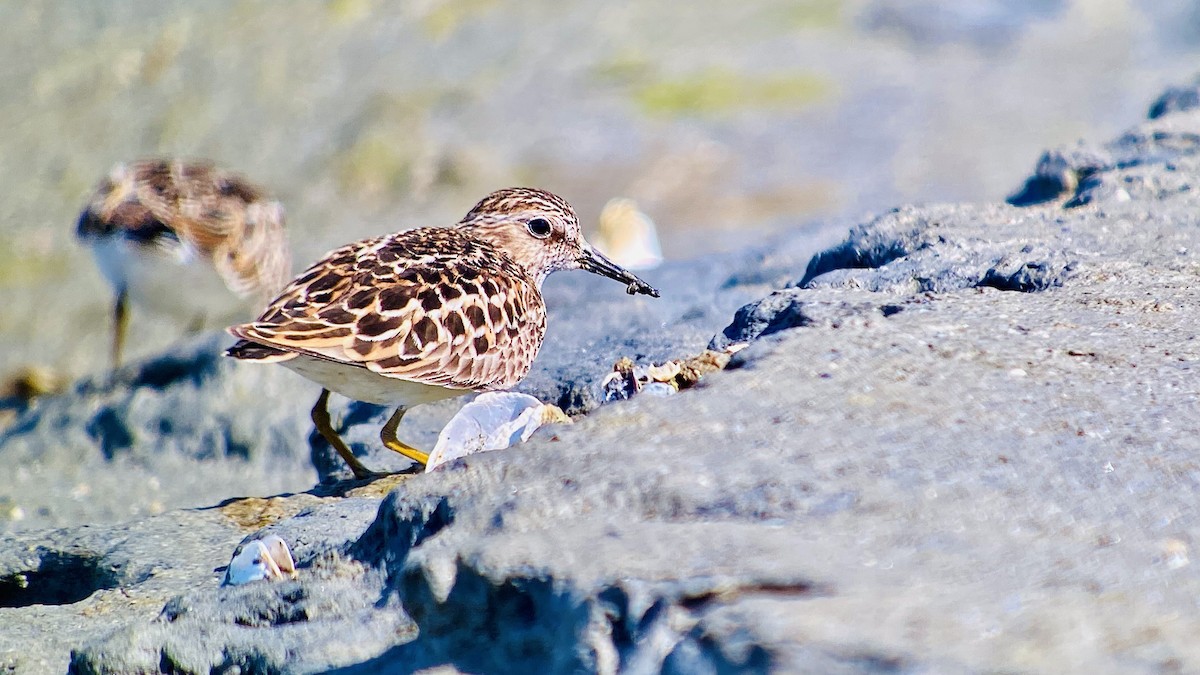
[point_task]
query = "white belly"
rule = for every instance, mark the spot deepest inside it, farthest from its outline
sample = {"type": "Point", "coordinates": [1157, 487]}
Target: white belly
{"type": "Point", "coordinates": [175, 283]}
{"type": "Point", "coordinates": [361, 384]}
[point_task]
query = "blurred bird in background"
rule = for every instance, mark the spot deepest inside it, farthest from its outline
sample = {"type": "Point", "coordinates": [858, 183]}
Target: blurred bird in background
{"type": "Point", "coordinates": [185, 239]}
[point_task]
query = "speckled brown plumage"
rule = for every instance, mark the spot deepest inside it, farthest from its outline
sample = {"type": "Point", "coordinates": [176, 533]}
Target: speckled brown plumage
{"type": "Point", "coordinates": [184, 239]}
{"type": "Point", "coordinates": [428, 313]}
{"type": "Point", "coordinates": [160, 206]}
{"type": "Point", "coordinates": [430, 305]}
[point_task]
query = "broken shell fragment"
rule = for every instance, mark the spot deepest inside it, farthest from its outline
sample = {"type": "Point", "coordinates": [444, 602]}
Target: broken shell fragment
{"type": "Point", "coordinates": [665, 379]}
{"type": "Point", "coordinates": [622, 383]}
{"type": "Point", "coordinates": [267, 558]}
{"type": "Point", "coordinates": [493, 421]}
{"type": "Point", "coordinates": [664, 373]}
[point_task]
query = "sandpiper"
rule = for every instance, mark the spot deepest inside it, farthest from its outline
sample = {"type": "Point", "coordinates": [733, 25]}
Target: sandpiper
{"type": "Point", "coordinates": [426, 314]}
{"type": "Point", "coordinates": [186, 239]}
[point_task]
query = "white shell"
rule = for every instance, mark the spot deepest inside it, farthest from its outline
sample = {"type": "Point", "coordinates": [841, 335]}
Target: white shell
{"type": "Point", "coordinates": [628, 236]}
{"type": "Point", "coordinates": [493, 421]}
{"type": "Point", "coordinates": [266, 558]}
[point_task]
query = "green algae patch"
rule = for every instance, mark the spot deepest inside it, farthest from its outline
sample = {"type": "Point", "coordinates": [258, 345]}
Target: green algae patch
{"type": "Point", "coordinates": [626, 67]}
{"type": "Point", "coordinates": [814, 14]}
{"type": "Point", "coordinates": [370, 164]}
{"type": "Point", "coordinates": [720, 91]}
{"type": "Point", "coordinates": [20, 266]}
{"type": "Point", "coordinates": [346, 12]}
{"type": "Point", "coordinates": [446, 17]}
{"type": "Point", "coordinates": [372, 167]}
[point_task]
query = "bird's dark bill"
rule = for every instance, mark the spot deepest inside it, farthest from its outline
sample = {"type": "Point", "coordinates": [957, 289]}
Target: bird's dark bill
{"type": "Point", "coordinates": [597, 263]}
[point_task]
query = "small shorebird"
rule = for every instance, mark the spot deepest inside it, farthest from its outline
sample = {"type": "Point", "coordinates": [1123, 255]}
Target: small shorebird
{"type": "Point", "coordinates": [185, 239]}
{"type": "Point", "coordinates": [426, 314]}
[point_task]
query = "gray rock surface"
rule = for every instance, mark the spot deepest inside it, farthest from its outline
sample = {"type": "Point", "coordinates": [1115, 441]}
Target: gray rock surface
{"type": "Point", "coordinates": [963, 440]}
{"type": "Point", "coordinates": [1176, 99]}
{"type": "Point", "coordinates": [187, 428]}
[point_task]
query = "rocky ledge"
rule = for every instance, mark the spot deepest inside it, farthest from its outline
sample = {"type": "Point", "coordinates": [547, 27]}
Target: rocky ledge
{"type": "Point", "coordinates": [963, 439]}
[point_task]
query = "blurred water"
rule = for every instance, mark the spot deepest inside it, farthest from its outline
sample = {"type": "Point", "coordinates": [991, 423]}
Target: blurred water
{"type": "Point", "coordinates": [723, 120]}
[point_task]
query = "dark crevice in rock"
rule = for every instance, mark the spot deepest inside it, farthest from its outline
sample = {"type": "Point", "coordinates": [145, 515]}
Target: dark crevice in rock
{"type": "Point", "coordinates": [575, 399]}
{"type": "Point", "coordinates": [865, 248]}
{"type": "Point", "coordinates": [526, 625]}
{"type": "Point", "coordinates": [702, 600]}
{"type": "Point", "coordinates": [194, 366]}
{"type": "Point", "coordinates": [614, 604]}
{"type": "Point", "coordinates": [235, 447]}
{"type": "Point", "coordinates": [1026, 278]}
{"type": "Point", "coordinates": [108, 429]}
{"type": "Point", "coordinates": [408, 523]}
{"type": "Point", "coordinates": [60, 578]}
{"type": "Point", "coordinates": [1040, 190]}
{"type": "Point", "coordinates": [776, 312]}
{"type": "Point", "coordinates": [792, 308]}
{"type": "Point", "coordinates": [362, 413]}
{"type": "Point", "coordinates": [536, 624]}
{"type": "Point", "coordinates": [1176, 99]}
{"type": "Point", "coordinates": [697, 653]}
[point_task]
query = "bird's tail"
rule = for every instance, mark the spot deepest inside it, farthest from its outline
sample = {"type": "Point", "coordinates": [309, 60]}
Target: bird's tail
{"type": "Point", "coordinates": [246, 350]}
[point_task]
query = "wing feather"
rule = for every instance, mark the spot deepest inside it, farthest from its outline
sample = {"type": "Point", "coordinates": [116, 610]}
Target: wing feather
{"type": "Point", "coordinates": [432, 305]}
{"type": "Point", "coordinates": [175, 206]}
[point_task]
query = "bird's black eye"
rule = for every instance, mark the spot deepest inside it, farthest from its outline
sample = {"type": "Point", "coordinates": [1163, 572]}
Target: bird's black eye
{"type": "Point", "coordinates": [539, 227]}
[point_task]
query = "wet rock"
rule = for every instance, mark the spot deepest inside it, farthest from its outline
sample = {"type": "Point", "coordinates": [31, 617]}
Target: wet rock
{"type": "Point", "coordinates": [155, 583]}
{"type": "Point", "coordinates": [795, 308]}
{"type": "Point", "coordinates": [1139, 164]}
{"type": "Point", "coordinates": [928, 473]}
{"type": "Point", "coordinates": [910, 251]}
{"type": "Point", "coordinates": [186, 428]}
{"type": "Point", "coordinates": [1176, 99]}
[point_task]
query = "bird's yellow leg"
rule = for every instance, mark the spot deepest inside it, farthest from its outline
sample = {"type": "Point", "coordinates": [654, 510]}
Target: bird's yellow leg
{"type": "Point", "coordinates": [320, 417]}
{"type": "Point", "coordinates": [388, 436]}
{"type": "Point", "coordinates": [120, 323]}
